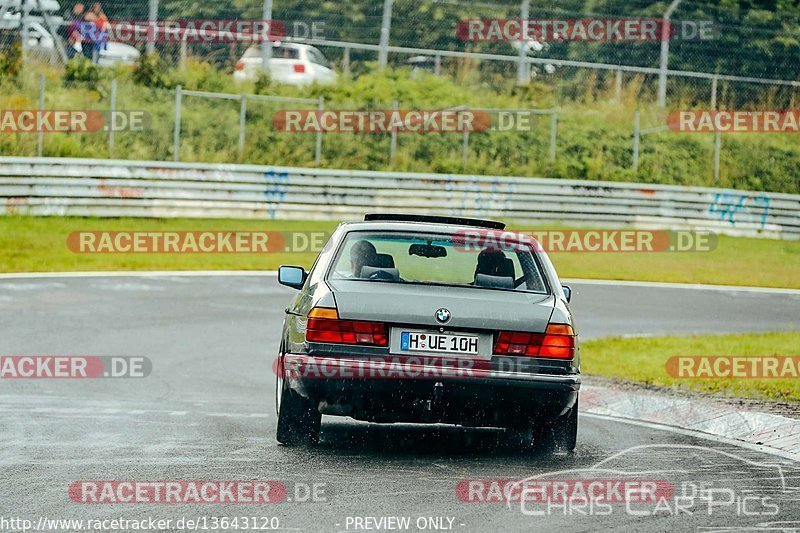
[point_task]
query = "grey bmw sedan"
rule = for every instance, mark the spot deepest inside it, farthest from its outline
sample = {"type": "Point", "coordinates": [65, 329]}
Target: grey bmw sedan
{"type": "Point", "coordinates": [428, 319]}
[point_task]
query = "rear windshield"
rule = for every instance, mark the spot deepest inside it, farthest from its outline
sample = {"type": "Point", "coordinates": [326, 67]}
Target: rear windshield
{"type": "Point", "coordinates": [315, 56]}
{"type": "Point", "coordinates": [430, 258]}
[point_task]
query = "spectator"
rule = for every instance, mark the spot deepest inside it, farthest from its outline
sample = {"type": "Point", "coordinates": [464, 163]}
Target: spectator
{"type": "Point", "coordinates": [103, 28]}
{"type": "Point", "coordinates": [89, 34]}
{"type": "Point", "coordinates": [74, 35]}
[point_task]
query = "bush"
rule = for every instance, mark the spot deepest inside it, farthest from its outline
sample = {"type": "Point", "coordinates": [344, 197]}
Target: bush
{"type": "Point", "coordinates": [81, 70]}
{"type": "Point", "coordinates": [11, 61]}
{"type": "Point", "coordinates": [202, 76]}
{"type": "Point", "coordinates": [153, 72]}
{"type": "Point", "coordinates": [263, 83]}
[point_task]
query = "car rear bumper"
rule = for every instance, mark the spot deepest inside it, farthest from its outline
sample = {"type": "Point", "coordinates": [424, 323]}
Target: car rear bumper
{"type": "Point", "coordinates": [430, 393]}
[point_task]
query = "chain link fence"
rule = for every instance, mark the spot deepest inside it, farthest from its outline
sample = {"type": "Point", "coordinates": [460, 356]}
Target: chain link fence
{"type": "Point", "coordinates": [754, 49]}
{"type": "Point", "coordinates": [738, 57]}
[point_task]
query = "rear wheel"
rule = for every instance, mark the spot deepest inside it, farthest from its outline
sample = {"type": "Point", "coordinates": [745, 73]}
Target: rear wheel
{"type": "Point", "coordinates": [562, 434]}
{"type": "Point", "coordinates": [298, 418]}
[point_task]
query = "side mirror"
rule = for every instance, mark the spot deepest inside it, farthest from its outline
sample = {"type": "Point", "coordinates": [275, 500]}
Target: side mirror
{"type": "Point", "coordinates": [292, 276]}
{"type": "Point", "coordinates": [567, 292]}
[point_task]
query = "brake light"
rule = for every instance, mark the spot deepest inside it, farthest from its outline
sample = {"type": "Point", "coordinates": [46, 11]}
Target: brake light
{"type": "Point", "coordinates": [299, 68]}
{"type": "Point", "coordinates": [324, 325]}
{"type": "Point", "coordinates": [239, 65]}
{"type": "Point", "coordinates": [557, 342]}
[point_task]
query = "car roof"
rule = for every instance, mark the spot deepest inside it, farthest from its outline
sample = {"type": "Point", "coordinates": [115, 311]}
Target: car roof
{"type": "Point", "coordinates": [281, 44]}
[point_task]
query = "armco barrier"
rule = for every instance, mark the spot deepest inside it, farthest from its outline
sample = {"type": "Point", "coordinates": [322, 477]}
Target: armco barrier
{"type": "Point", "coordinates": [108, 188]}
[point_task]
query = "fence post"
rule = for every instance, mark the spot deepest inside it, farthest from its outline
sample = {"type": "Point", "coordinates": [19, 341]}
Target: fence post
{"type": "Point", "coordinates": [242, 119]}
{"type": "Point", "coordinates": [386, 25]}
{"type": "Point", "coordinates": [437, 64]}
{"type": "Point", "coordinates": [636, 141]}
{"type": "Point", "coordinates": [176, 134]}
{"type": "Point", "coordinates": [24, 31]}
{"type": "Point", "coordinates": [618, 86]}
{"type": "Point", "coordinates": [553, 125]}
{"type": "Point", "coordinates": [266, 44]}
{"type": "Point", "coordinates": [153, 16]}
{"type": "Point", "coordinates": [393, 137]}
{"type": "Point", "coordinates": [183, 53]}
{"type": "Point", "coordinates": [318, 146]}
{"type": "Point", "coordinates": [714, 82]}
{"type": "Point", "coordinates": [717, 149]}
{"type": "Point", "coordinates": [40, 140]}
{"type": "Point", "coordinates": [665, 37]}
{"type": "Point", "coordinates": [465, 149]}
{"type": "Point", "coordinates": [465, 146]}
{"type": "Point", "coordinates": [346, 60]}
{"type": "Point", "coordinates": [112, 108]}
{"type": "Point", "coordinates": [522, 63]}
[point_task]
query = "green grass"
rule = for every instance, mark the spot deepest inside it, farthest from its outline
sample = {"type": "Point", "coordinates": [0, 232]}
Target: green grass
{"type": "Point", "coordinates": [644, 360]}
{"type": "Point", "coordinates": [31, 244]}
{"type": "Point", "coordinates": [39, 244]}
{"type": "Point", "coordinates": [735, 261]}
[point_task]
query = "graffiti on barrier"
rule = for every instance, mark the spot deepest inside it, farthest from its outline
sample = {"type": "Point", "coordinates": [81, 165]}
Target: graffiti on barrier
{"type": "Point", "coordinates": [277, 183]}
{"type": "Point", "coordinates": [740, 207]}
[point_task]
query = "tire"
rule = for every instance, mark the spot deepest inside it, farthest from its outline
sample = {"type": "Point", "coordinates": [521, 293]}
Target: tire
{"type": "Point", "coordinates": [562, 434]}
{"type": "Point", "coordinates": [298, 419]}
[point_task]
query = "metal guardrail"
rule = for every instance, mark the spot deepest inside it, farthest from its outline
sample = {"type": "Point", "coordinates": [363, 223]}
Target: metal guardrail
{"type": "Point", "coordinates": [109, 188]}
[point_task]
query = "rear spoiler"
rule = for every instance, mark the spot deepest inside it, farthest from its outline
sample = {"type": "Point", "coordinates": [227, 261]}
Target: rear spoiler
{"type": "Point", "coordinates": [435, 219]}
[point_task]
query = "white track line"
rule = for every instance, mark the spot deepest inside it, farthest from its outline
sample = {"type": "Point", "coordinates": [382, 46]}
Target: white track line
{"type": "Point", "coordinates": [222, 273]}
{"type": "Point", "coordinates": [140, 274]}
{"type": "Point", "coordinates": [691, 286]}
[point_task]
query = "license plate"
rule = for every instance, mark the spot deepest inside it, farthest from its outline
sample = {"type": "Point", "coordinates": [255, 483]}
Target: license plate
{"type": "Point", "coordinates": [414, 341]}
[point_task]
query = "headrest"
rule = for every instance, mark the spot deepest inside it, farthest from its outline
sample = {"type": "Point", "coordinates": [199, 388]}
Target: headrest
{"type": "Point", "coordinates": [506, 268]}
{"type": "Point", "coordinates": [494, 282]}
{"type": "Point", "coordinates": [389, 274]}
{"type": "Point", "coordinates": [382, 261]}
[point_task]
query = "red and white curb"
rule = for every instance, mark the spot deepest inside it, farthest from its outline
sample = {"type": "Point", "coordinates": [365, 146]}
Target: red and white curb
{"type": "Point", "coordinates": [766, 432]}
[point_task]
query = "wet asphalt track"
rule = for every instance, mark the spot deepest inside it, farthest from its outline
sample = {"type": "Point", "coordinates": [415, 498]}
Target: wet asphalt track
{"type": "Point", "coordinates": [207, 412]}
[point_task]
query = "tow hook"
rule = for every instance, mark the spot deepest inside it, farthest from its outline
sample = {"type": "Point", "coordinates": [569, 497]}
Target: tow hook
{"type": "Point", "coordinates": [438, 392]}
{"type": "Point", "coordinates": [434, 401]}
